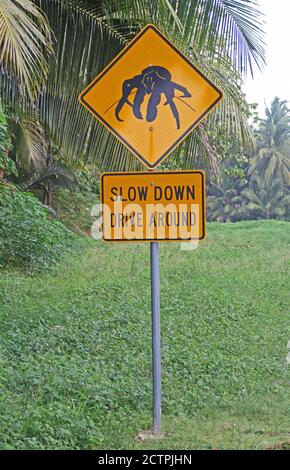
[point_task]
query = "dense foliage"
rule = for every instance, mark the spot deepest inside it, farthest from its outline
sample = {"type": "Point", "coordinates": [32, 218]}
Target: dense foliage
{"type": "Point", "coordinates": [255, 185]}
{"type": "Point", "coordinates": [272, 159]}
{"type": "Point", "coordinates": [74, 206]}
{"type": "Point", "coordinates": [7, 165]}
{"type": "Point", "coordinates": [28, 238]}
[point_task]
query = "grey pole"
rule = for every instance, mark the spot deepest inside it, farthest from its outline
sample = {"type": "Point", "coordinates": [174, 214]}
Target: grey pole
{"type": "Point", "coordinates": [156, 341]}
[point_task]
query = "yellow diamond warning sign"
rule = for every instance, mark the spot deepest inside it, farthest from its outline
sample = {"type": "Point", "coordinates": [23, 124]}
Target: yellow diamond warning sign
{"type": "Point", "coordinates": [153, 206]}
{"type": "Point", "coordinates": [151, 96]}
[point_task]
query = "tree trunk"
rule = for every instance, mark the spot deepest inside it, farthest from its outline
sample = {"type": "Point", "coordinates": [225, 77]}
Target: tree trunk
{"type": "Point", "coordinates": [1, 174]}
{"type": "Point", "coordinates": [49, 194]}
{"type": "Point", "coordinates": [48, 187]}
{"type": "Point", "coordinates": [44, 199]}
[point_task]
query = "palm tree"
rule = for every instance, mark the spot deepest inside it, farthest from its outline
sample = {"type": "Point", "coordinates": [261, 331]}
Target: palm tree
{"type": "Point", "coordinates": [222, 37]}
{"type": "Point", "coordinates": [266, 200]}
{"type": "Point", "coordinates": [25, 44]}
{"type": "Point", "coordinates": [273, 154]}
{"type": "Point", "coordinates": [225, 202]}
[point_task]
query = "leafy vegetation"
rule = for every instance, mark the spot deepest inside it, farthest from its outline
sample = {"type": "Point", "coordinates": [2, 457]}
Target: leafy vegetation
{"type": "Point", "coordinates": [273, 154]}
{"type": "Point", "coordinates": [266, 202]}
{"type": "Point", "coordinates": [76, 349]}
{"type": "Point", "coordinates": [24, 35]}
{"type": "Point", "coordinates": [74, 206]}
{"type": "Point", "coordinates": [6, 164]}
{"type": "Point", "coordinates": [28, 239]}
{"type": "Point", "coordinates": [255, 186]}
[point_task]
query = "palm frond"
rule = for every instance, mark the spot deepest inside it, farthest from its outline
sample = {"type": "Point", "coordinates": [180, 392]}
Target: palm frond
{"type": "Point", "coordinates": [24, 35]}
{"type": "Point", "coordinates": [231, 27]}
{"type": "Point", "coordinates": [29, 142]}
{"type": "Point", "coordinates": [56, 174]}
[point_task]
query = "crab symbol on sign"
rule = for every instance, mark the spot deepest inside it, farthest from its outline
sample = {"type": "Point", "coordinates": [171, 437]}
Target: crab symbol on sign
{"type": "Point", "coordinates": [153, 81]}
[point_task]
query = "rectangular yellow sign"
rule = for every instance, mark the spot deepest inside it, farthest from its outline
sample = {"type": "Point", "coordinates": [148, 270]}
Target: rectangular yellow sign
{"type": "Point", "coordinates": [153, 206]}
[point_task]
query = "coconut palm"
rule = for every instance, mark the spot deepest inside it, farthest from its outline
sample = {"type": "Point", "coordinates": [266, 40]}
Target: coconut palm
{"type": "Point", "coordinates": [267, 200]}
{"type": "Point", "coordinates": [55, 175]}
{"type": "Point", "coordinates": [224, 208]}
{"type": "Point", "coordinates": [222, 37]}
{"type": "Point", "coordinates": [225, 202]}
{"type": "Point", "coordinates": [273, 154]}
{"type": "Point", "coordinates": [25, 43]}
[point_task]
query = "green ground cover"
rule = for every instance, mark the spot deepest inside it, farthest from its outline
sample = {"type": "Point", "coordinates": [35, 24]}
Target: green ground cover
{"type": "Point", "coordinates": [75, 345]}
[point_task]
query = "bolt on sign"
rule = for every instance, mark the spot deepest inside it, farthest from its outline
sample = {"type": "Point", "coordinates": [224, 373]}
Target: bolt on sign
{"type": "Point", "coordinates": [153, 206]}
{"type": "Point", "coordinates": [151, 96]}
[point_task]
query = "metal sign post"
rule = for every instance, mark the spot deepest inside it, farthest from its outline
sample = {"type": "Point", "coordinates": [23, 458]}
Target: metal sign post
{"type": "Point", "coordinates": [156, 340]}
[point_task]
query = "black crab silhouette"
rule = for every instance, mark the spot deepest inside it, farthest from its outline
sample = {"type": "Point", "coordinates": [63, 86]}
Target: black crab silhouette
{"type": "Point", "coordinates": [154, 80]}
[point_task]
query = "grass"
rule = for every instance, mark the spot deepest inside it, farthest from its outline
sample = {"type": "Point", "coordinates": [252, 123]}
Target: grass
{"type": "Point", "coordinates": [75, 350]}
